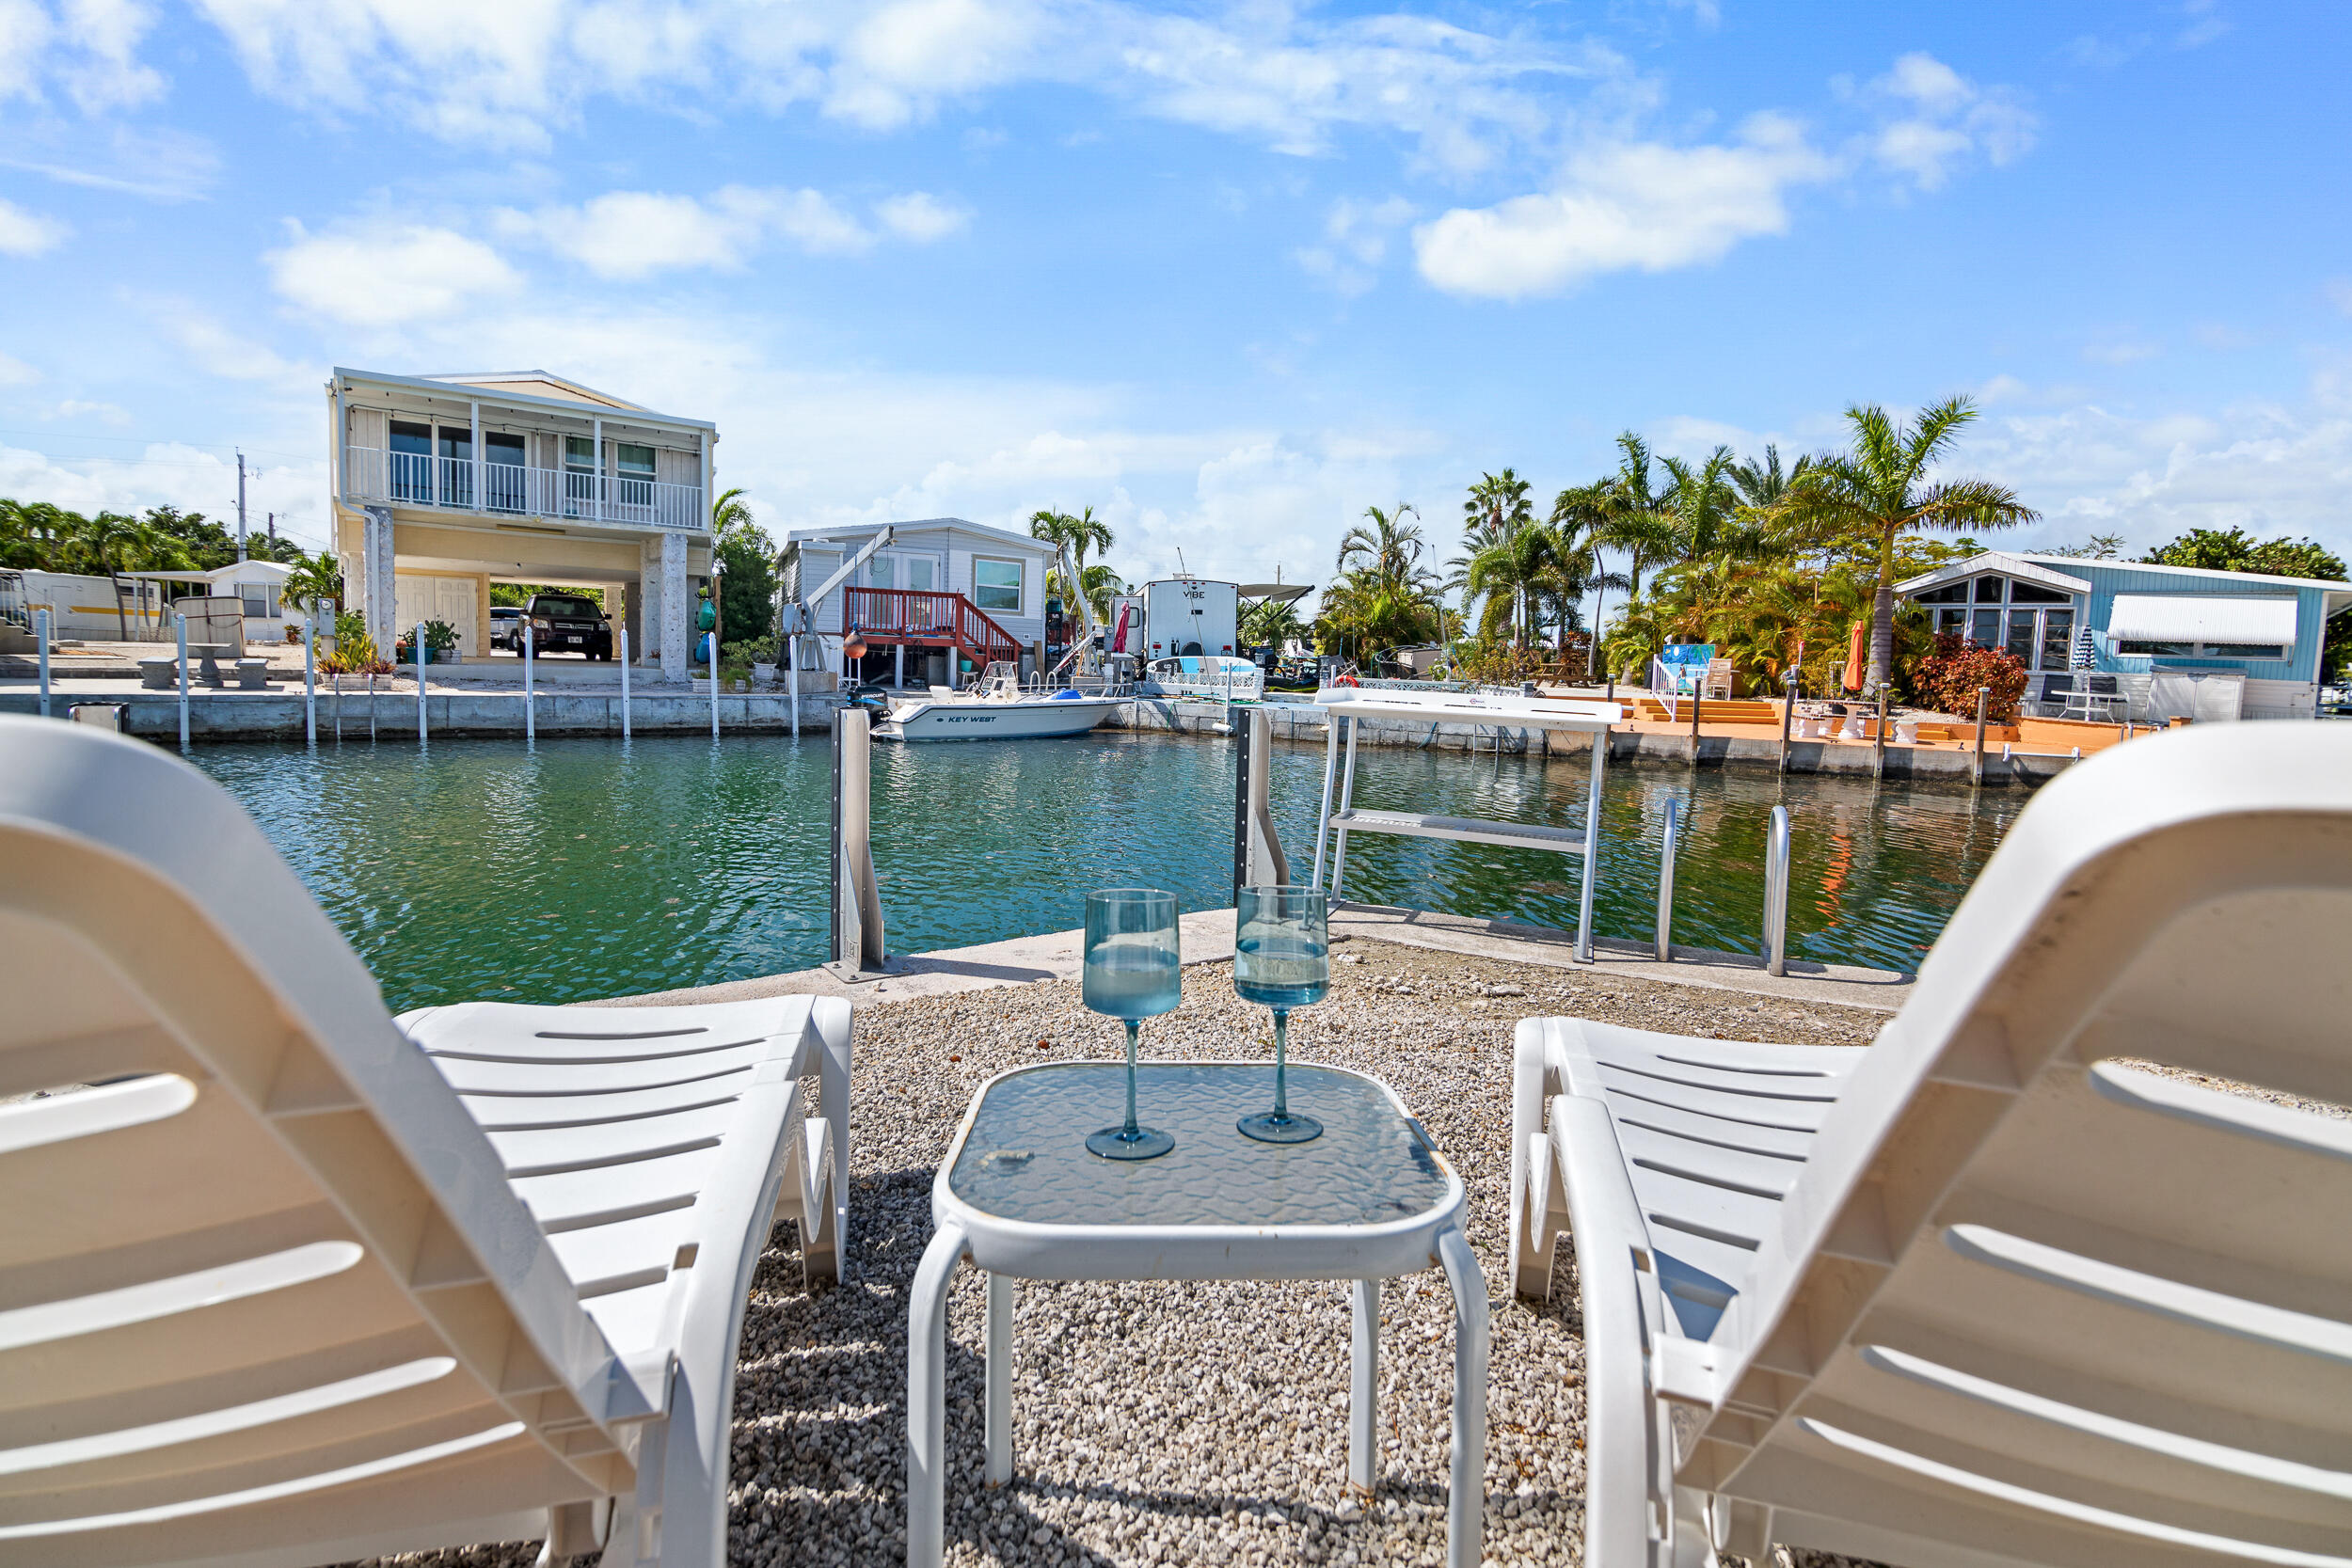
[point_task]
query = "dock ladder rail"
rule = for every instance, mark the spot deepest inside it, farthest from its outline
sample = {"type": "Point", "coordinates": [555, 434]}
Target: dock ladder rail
{"type": "Point", "coordinates": [1347, 707]}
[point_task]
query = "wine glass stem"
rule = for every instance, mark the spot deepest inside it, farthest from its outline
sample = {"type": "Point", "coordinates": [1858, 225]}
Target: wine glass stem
{"type": "Point", "coordinates": [1281, 1050]}
{"type": "Point", "coordinates": [1132, 1026]}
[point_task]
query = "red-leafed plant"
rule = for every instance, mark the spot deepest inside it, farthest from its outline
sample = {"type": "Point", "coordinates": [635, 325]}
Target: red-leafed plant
{"type": "Point", "coordinates": [1946, 679]}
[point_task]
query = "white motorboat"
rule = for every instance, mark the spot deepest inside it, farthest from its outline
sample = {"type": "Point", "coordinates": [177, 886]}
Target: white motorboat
{"type": "Point", "coordinates": [996, 708]}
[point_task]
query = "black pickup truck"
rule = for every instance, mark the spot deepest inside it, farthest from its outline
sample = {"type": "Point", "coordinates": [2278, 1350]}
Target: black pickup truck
{"type": "Point", "coordinates": [567, 623]}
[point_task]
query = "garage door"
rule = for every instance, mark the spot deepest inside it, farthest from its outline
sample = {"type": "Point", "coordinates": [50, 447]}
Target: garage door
{"type": "Point", "coordinates": [416, 597]}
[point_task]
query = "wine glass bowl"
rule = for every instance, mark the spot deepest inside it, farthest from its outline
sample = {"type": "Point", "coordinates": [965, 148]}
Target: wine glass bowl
{"type": "Point", "coordinates": [1133, 971]}
{"type": "Point", "coordinates": [1282, 959]}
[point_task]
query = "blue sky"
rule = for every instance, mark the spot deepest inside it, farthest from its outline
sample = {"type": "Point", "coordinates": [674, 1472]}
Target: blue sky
{"type": "Point", "coordinates": [1227, 274]}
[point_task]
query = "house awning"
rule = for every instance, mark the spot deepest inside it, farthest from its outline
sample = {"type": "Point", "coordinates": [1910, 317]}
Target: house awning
{"type": "Point", "coordinates": [2218, 618]}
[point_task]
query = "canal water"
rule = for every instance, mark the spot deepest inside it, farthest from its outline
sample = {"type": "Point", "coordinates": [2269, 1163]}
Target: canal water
{"type": "Point", "coordinates": [581, 868]}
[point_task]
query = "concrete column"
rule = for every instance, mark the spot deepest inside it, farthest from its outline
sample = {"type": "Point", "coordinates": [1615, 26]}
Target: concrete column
{"type": "Point", "coordinates": [376, 586]}
{"type": "Point", "coordinates": [675, 599]}
{"type": "Point", "coordinates": [645, 636]}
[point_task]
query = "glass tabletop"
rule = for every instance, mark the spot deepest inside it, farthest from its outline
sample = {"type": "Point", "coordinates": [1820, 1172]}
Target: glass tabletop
{"type": "Point", "coordinates": [1025, 1157]}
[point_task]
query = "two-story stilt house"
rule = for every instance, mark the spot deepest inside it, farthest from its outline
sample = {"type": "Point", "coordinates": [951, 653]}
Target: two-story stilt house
{"type": "Point", "coordinates": [446, 484]}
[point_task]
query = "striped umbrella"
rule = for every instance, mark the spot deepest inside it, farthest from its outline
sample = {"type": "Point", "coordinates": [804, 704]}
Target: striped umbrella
{"type": "Point", "coordinates": [2085, 650]}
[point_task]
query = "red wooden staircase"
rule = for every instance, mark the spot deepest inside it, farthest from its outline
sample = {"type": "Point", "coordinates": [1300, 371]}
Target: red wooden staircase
{"type": "Point", "coordinates": [919, 619]}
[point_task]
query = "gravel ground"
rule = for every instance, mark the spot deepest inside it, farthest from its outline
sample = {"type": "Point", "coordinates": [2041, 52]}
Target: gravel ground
{"type": "Point", "coordinates": [1182, 1423]}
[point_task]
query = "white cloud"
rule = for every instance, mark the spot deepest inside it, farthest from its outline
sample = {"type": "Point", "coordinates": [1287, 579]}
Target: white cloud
{"type": "Point", "coordinates": [23, 233]}
{"type": "Point", "coordinates": [1356, 237]}
{"type": "Point", "coordinates": [24, 34]}
{"type": "Point", "coordinates": [1633, 205]}
{"type": "Point", "coordinates": [513, 73]}
{"type": "Point", "coordinates": [78, 408]}
{"type": "Point", "coordinates": [16, 372]}
{"type": "Point", "coordinates": [104, 72]}
{"type": "Point", "coordinates": [635, 234]}
{"type": "Point", "coordinates": [382, 274]}
{"type": "Point", "coordinates": [921, 217]}
{"type": "Point", "coordinates": [1938, 117]}
{"type": "Point", "coordinates": [217, 350]}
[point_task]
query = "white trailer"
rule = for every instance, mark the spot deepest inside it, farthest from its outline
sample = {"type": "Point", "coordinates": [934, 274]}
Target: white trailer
{"type": "Point", "coordinates": [1188, 617]}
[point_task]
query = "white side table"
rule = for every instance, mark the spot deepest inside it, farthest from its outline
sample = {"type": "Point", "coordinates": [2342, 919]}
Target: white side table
{"type": "Point", "coordinates": [1019, 1196]}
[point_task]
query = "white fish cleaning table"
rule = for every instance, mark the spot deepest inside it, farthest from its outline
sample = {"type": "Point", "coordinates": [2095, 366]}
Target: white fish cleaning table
{"type": "Point", "coordinates": [1348, 705]}
{"type": "Point", "coordinates": [1020, 1195]}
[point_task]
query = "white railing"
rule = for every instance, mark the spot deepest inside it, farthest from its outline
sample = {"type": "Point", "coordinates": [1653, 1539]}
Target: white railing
{"type": "Point", "coordinates": [419, 478]}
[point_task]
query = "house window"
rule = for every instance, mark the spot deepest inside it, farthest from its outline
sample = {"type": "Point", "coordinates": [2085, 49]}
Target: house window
{"type": "Point", "coordinates": [877, 572]}
{"type": "Point", "coordinates": [634, 462]}
{"type": "Point", "coordinates": [1951, 592]}
{"type": "Point", "coordinates": [2203, 650]}
{"type": "Point", "coordinates": [260, 601]}
{"type": "Point", "coordinates": [2246, 650]}
{"type": "Point", "coordinates": [411, 461]}
{"type": "Point", "coordinates": [1989, 590]}
{"type": "Point", "coordinates": [922, 573]}
{"type": "Point", "coordinates": [996, 585]}
{"type": "Point", "coordinates": [579, 453]}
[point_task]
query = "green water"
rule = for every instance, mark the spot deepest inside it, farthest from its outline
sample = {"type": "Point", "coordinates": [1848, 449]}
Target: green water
{"type": "Point", "coordinates": [586, 868]}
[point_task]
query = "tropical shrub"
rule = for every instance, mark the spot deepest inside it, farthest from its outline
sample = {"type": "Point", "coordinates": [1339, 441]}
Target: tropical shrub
{"type": "Point", "coordinates": [1946, 680]}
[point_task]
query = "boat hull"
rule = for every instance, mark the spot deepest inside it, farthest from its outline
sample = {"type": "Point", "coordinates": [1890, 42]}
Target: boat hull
{"type": "Point", "coordinates": [996, 721]}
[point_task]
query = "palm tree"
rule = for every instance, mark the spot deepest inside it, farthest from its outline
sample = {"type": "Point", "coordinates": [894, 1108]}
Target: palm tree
{"type": "Point", "coordinates": [105, 538]}
{"type": "Point", "coordinates": [729, 513]}
{"type": "Point", "coordinates": [316, 579]}
{"type": "Point", "coordinates": [1764, 485]}
{"type": "Point", "coordinates": [1879, 491]}
{"type": "Point", "coordinates": [1580, 518]}
{"type": "Point", "coordinates": [1078, 534]}
{"type": "Point", "coordinates": [1100, 583]}
{"type": "Point", "coordinates": [1390, 547]}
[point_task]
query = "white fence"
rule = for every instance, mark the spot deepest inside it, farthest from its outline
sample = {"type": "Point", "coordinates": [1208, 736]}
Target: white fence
{"type": "Point", "coordinates": [419, 478]}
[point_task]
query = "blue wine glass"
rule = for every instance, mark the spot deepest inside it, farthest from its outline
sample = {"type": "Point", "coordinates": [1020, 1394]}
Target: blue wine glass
{"type": "Point", "coordinates": [1282, 959]}
{"type": "Point", "coordinates": [1132, 973]}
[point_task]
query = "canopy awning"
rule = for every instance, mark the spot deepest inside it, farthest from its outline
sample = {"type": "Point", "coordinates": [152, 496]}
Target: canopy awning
{"type": "Point", "coordinates": [2216, 618]}
{"type": "Point", "coordinates": [1280, 593]}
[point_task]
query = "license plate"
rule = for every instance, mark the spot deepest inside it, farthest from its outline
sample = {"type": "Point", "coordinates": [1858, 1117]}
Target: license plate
{"type": "Point", "coordinates": [574, 639]}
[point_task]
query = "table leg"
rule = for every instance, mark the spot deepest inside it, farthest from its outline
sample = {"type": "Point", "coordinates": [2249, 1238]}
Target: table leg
{"type": "Point", "coordinates": [1363, 1387]}
{"type": "Point", "coordinates": [927, 1399]}
{"type": "Point", "coordinates": [1466, 1505]}
{"type": "Point", "coordinates": [1000, 1288]}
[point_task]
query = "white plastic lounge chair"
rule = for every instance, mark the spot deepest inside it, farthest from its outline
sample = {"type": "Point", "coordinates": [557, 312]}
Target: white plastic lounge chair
{"type": "Point", "coordinates": [274, 1293]}
{"type": "Point", "coordinates": [1980, 1293]}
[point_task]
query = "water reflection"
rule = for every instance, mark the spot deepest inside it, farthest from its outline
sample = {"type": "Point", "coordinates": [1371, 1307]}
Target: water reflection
{"type": "Point", "coordinates": [583, 868]}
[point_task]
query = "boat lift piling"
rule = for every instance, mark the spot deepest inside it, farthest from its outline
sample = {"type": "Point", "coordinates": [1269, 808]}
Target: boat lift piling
{"type": "Point", "coordinates": [1667, 843]}
{"type": "Point", "coordinates": [531, 692]}
{"type": "Point", "coordinates": [1258, 858]}
{"type": "Point", "coordinates": [180, 619]}
{"type": "Point", "coordinates": [423, 654]}
{"type": "Point", "coordinates": [857, 916]}
{"type": "Point", "coordinates": [624, 683]}
{"type": "Point", "coordinates": [1787, 715]}
{"type": "Point", "coordinates": [40, 631]}
{"type": "Point", "coordinates": [311, 679]}
{"type": "Point", "coordinates": [1776, 894]}
{"type": "Point", "coordinates": [1976, 769]}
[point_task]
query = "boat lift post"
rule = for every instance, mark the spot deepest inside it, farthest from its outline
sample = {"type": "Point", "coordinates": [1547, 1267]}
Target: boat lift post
{"type": "Point", "coordinates": [857, 917]}
{"type": "Point", "coordinates": [716, 626]}
{"type": "Point", "coordinates": [311, 679]}
{"type": "Point", "coordinates": [1776, 893]}
{"type": "Point", "coordinates": [531, 695]}
{"type": "Point", "coordinates": [624, 683]}
{"type": "Point", "coordinates": [423, 653]}
{"type": "Point", "coordinates": [180, 619]}
{"type": "Point", "coordinates": [1258, 858]}
{"type": "Point", "coordinates": [40, 630]}
{"type": "Point", "coordinates": [802, 614]}
{"type": "Point", "coordinates": [1666, 844]}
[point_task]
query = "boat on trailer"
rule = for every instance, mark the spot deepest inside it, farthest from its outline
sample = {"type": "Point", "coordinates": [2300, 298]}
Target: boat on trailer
{"type": "Point", "coordinates": [996, 708]}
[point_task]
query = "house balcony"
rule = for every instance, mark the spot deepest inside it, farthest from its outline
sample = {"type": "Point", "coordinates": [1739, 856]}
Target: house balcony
{"type": "Point", "coordinates": [372, 474]}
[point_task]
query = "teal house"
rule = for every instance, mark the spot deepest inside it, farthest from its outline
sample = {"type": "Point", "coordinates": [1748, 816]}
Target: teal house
{"type": "Point", "coordinates": [2177, 639]}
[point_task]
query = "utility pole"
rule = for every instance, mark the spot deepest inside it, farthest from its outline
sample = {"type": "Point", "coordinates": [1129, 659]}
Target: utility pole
{"type": "Point", "coordinates": [241, 507]}
{"type": "Point", "coordinates": [272, 532]}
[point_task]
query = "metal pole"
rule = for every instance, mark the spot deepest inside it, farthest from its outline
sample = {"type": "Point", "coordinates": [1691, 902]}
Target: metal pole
{"type": "Point", "coordinates": [421, 658]}
{"type": "Point", "coordinates": [1592, 850]}
{"type": "Point", "coordinates": [40, 630]}
{"type": "Point", "coordinates": [624, 683]}
{"type": "Point", "coordinates": [1776, 894]}
{"type": "Point", "coordinates": [339, 707]}
{"type": "Point", "coordinates": [1788, 713]}
{"type": "Point", "coordinates": [792, 679]}
{"type": "Point", "coordinates": [181, 617]}
{"type": "Point", "coordinates": [1976, 771]}
{"type": "Point", "coordinates": [311, 679]}
{"type": "Point", "coordinates": [717, 626]}
{"type": "Point", "coordinates": [371, 707]}
{"type": "Point", "coordinates": [1878, 756]}
{"type": "Point", "coordinates": [531, 697]}
{"type": "Point", "coordinates": [1331, 722]}
{"type": "Point", "coordinates": [714, 686]}
{"type": "Point", "coordinates": [1694, 728]}
{"type": "Point", "coordinates": [1347, 802]}
{"type": "Point", "coordinates": [1666, 845]}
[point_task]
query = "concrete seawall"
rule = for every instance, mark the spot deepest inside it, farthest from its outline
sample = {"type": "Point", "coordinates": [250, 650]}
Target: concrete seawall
{"type": "Point", "coordinates": [1304, 724]}
{"type": "Point", "coordinates": [278, 715]}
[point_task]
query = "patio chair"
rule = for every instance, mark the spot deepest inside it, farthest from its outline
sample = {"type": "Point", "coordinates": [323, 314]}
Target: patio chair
{"type": "Point", "coordinates": [1984, 1292]}
{"type": "Point", "coordinates": [277, 1287]}
{"type": "Point", "coordinates": [1718, 680]}
{"type": "Point", "coordinates": [2058, 690]}
{"type": "Point", "coordinates": [2102, 696]}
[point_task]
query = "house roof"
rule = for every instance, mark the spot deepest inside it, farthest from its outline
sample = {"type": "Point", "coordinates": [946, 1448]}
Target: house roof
{"type": "Point", "coordinates": [250, 570]}
{"type": "Point", "coordinates": [539, 384]}
{"type": "Point", "coordinates": [2337, 586]}
{"type": "Point", "coordinates": [522, 389]}
{"type": "Point", "coordinates": [1993, 561]}
{"type": "Point", "coordinates": [862, 532]}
